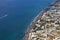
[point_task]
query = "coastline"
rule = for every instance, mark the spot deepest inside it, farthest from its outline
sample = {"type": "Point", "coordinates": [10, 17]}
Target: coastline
{"type": "Point", "coordinates": [35, 19]}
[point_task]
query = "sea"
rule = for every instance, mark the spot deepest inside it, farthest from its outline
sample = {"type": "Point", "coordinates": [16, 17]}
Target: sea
{"type": "Point", "coordinates": [16, 15]}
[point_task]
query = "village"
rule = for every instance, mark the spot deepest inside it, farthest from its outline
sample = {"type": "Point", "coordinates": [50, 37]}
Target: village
{"type": "Point", "coordinates": [48, 26]}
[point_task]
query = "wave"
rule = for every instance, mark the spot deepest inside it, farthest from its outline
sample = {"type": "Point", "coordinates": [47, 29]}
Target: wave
{"type": "Point", "coordinates": [4, 16]}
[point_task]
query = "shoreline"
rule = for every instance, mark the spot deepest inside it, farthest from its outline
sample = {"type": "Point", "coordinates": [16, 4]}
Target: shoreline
{"type": "Point", "coordinates": [35, 19]}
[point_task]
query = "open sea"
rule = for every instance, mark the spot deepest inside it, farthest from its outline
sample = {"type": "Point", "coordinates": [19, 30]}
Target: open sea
{"type": "Point", "coordinates": [16, 15]}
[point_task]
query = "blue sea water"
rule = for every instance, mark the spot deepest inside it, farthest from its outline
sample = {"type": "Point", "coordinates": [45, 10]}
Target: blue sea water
{"type": "Point", "coordinates": [16, 15]}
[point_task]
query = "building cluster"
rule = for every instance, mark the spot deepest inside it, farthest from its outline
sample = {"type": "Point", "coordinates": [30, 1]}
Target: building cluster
{"type": "Point", "coordinates": [48, 26]}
